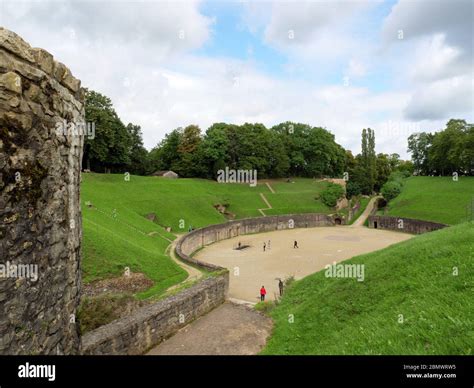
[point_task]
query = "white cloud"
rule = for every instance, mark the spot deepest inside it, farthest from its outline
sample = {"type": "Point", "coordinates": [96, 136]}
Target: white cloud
{"type": "Point", "coordinates": [435, 60]}
{"type": "Point", "coordinates": [132, 53]}
{"type": "Point", "coordinates": [356, 68]}
{"type": "Point", "coordinates": [437, 48]}
{"type": "Point", "coordinates": [425, 18]}
{"type": "Point", "coordinates": [442, 98]}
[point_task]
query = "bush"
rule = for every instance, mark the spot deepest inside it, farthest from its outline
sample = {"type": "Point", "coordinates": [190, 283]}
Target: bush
{"type": "Point", "coordinates": [397, 176]}
{"type": "Point", "coordinates": [331, 194]}
{"type": "Point", "coordinates": [391, 189]}
{"type": "Point", "coordinates": [353, 189]}
{"type": "Point", "coordinates": [266, 307]}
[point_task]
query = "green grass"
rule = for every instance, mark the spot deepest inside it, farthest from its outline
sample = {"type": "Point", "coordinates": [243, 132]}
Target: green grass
{"type": "Point", "coordinates": [438, 199]}
{"type": "Point", "coordinates": [117, 234]}
{"type": "Point", "coordinates": [296, 197]}
{"type": "Point", "coordinates": [413, 278]}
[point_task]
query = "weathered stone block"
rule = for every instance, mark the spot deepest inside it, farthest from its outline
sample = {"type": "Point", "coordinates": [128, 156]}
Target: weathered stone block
{"type": "Point", "coordinates": [11, 82]}
{"type": "Point", "coordinates": [39, 197]}
{"type": "Point", "coordinates": [16, 45]}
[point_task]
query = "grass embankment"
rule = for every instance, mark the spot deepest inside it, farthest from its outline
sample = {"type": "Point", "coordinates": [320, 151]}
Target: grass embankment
{"type": "Point", "coordinates": [412, 301]}
{"type": "Point", "coordinates": [117, 234]}
{"type": "Point", "coordinates": [437, 199]}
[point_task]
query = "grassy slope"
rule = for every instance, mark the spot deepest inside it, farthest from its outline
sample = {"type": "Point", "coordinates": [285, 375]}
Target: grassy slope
{"type": "Point", "coordinates": [296, 197]}
{"type": "Point", "coordinates": [413, 278]}
{"type": "Point", "coordinates": [113, 243]}
{"type": "Point", "coordinates": [438, 199]}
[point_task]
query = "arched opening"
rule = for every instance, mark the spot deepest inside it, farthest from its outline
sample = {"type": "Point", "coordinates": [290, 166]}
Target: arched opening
{"type": "Point", "coordinates": [338, 221]}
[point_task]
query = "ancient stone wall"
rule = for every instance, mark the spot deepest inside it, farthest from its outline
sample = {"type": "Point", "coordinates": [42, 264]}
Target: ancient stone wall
{"type": "Point", "coordinates": [401, 224]}
{"type": "Point", "coordinates": [151, 324]}
{"type": "Point", "coordinates": [41, 113]}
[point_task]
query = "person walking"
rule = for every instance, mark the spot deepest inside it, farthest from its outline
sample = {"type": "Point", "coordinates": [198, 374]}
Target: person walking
{"type": "Point", "coordinates": [263, 292]}
{"type": "Point", "coordinates": [280, 287]}
{"type": "Point", "coordinates": [264, 246]}
{"type": "Point", "coordinates": [295, 244]}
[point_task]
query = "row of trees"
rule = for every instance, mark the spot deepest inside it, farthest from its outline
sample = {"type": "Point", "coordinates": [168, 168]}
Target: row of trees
{"type": "Point", "coordinates": [444, 152]}
{"type": "Point", "coordinates": [367, 172]}
{"type": "Point", "coordinates": [287, 149]}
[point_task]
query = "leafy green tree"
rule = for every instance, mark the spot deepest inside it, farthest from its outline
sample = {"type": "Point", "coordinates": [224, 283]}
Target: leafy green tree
{"type": "Point", "coordinates": [215, 149]}
{"type": "Point", "coordinates": [187, 163]}
{"type": "Point", "coordinates": [368, 159]}
{"type": "Point", "coordinates": [419, 145]}
{"type": "Point", "coordinates": [383, 170]}
{"type": "Point", "coordinates": [109, 149]}
{"type": "Point", "coordinates": [165, 154]}
{"type": "Point", "coordinates": [138, 153]}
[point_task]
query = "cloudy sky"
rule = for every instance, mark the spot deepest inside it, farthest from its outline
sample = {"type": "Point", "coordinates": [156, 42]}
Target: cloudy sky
{"type": "Point", "coordinates": [395, 66]}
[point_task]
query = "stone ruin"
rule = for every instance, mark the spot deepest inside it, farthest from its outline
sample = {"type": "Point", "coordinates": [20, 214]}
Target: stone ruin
{"type": "Point", "coordinates": [41, 141]}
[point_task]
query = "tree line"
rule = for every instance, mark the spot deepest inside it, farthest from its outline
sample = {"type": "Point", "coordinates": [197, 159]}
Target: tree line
{"type": "Point", "coordinates": [448, 151]}
{"type": "Point", "coordinates": [285, 150]}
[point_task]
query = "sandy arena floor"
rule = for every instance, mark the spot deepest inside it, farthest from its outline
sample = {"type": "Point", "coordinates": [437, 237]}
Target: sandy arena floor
{"type": "Point", "coordinates": [317, 247]}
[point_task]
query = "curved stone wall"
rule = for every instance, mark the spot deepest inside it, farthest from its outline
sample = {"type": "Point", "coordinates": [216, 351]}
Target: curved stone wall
{"type": "Point", "coordinates": [402, 224]}
{"type": "Point", "coordinates": [151, 324]}
{"type": "Point", "coordinates": [199, 238]}
{"type": "Point", "coordinates": [40, 222]}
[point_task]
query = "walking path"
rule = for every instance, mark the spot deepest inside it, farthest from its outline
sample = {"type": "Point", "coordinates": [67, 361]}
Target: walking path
{"type": "Point", "coordinates": [229, 329]}
{"type": "Point", "coordinates": [370, 206]}
{"type": "Point", "coordinates": [270, 187]}
{"type": "Point", "coordinates": [193, 273]}
{"type": "Point", "coordinates": [269, 206]}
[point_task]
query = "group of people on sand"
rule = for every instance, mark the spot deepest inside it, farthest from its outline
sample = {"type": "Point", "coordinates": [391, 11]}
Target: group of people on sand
{"type": "Point", "coordinates": [263, 291]}
{"type": "Point", "coordinates": [266, 245]}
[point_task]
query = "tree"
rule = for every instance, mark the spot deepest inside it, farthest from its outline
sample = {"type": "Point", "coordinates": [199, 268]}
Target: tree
{"type": "Point", "coordinates": [138, 153]}
{"type": "Point", "coordinates": [368, 160]}
{"type": "Point", "coordinates": [215, 149]}
{"type": "Point", "coordinates": [419, 145]}
{"type": "Point", "coordinates": [109, 149]}
{"type": "Point", "coordinates": [188, 145]}
{"type": "Point", "coordinates": [165, 154]}
{"type": "Point", "coordinates": [383, 170]}
{"type": "Point", "coordinates": [394, 160]}
{"type": "Point", "coordinates": [444, 152]}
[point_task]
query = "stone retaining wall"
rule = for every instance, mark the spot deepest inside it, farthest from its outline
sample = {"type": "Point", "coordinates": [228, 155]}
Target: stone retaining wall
{"type": "Point", "coordinates": [40, 218]}
{"type": "Point", "coordinates": [401, 224]}
{"type": "Point", "coordinates": [150, 325]}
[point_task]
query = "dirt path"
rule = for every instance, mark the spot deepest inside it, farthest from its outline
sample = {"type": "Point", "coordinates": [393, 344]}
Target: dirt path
{"type": "Point", "coordinates": [270, 187]}
{"type": "Point", "coordinates": [193, 273]}
{"type": "Point", "coordinates": [229, 329]}
{"type": "Point", "coordinates": [360, 221]}
{"type": "Point", "coordinates": [269, 206]}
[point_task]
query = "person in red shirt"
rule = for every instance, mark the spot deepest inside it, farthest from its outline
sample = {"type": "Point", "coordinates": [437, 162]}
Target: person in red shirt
{"type": "Point", "coordinates": [263, 292]}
